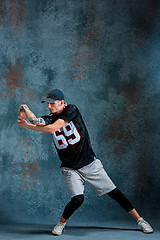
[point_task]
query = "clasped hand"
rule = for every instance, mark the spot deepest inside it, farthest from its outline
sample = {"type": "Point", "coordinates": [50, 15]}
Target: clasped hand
{"type": "Point", "coordinates": [21, 118]}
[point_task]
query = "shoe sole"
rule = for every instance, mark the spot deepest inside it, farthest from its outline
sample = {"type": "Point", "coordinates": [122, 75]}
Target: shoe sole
{"type": "Point", "coordinates": [57, 234]}
{"type": "Point", "coordinates": [148, 232]}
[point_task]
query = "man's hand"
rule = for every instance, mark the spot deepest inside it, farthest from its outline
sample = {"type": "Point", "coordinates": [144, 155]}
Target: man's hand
{"type": "Point", "coordinates": [22, 122]}
{"type": "Point", "coordinates": [21, 110]}
{"type": "Point", "coordinates": [25, 111]}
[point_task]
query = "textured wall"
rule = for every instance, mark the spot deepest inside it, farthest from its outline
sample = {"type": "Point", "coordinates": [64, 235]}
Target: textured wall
{"type": "Point", "coordinates": [105, 56]}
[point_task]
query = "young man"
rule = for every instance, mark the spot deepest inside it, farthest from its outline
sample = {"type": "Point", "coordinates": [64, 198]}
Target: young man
{"type": "Point", "coordinates": [79, 163]}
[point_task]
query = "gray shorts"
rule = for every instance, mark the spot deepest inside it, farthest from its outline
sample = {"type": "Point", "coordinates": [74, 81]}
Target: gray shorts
{"type": "Point", "coordinates": [93, 174]}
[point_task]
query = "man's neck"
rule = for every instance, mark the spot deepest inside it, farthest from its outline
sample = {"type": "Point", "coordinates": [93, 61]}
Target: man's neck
{"type": "Point", "coordinates": [59, 112]}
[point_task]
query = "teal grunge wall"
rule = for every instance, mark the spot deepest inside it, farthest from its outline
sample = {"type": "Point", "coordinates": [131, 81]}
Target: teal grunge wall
{"type": "Point", "coordinates": [105, 57]}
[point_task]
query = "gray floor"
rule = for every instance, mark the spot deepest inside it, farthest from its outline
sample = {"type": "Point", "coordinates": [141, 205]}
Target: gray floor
{"type": "Point", "coordinates": [108, 230]}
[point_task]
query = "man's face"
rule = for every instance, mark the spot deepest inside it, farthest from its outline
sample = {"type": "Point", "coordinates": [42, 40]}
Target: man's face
{"type": "Point", "coordinates": [56, 107]}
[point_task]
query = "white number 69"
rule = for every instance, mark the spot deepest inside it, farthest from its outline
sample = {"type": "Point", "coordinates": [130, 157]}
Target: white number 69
{"type": "Point", "coordinates": [70, 131]}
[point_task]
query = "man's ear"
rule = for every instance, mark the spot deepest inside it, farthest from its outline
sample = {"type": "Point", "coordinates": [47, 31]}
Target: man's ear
{"type": "Point", "coordinates": [62, 102]}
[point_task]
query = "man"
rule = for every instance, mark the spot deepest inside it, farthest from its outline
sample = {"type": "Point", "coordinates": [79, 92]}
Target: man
{"type": "Point", "coordinates": [79, 163]}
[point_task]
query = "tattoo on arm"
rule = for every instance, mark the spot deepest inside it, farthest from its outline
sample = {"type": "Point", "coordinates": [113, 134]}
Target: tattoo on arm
{"type": "Point", "coordinates": [36, 121]}
{"type": "Point", "coordinates": [41, 120]}
{"type": "Point", "coordinates": [31, 117]}
{"type": "Point", "coordinates": [23, 108]}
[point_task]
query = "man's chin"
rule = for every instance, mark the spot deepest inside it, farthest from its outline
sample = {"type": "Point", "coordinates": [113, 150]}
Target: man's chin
{"type": "Point", "coordinates": [53, 112]}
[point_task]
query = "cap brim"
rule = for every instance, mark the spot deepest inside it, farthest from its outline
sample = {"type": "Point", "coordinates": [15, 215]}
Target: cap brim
{"type": "Point", "coordinates": [48, 100]}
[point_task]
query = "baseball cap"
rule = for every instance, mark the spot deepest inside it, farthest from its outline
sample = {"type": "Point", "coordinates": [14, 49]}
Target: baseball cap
{"type": "Point", "coordinates": [54, 95]}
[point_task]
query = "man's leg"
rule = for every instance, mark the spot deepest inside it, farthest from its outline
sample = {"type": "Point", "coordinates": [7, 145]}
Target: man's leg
{"type": "Point", "coordinates": [96, 176]}
{"type": "Point", "coordinates": [134, 214]}
{"type": "Point", "coordinates": [121, 199]}
{"type": "Point", "coordinates": [75, 185]}
{"type": "Point", "coordinates": [72, 206]}
{"type": "Point", "coordinates": [124, 202]}
{"type": "Point", "coordinates": [126, 205]}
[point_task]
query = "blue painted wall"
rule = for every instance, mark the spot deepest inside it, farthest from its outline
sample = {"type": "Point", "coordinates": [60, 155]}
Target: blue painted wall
{"type": "Point", "coordinates": [105, 56]}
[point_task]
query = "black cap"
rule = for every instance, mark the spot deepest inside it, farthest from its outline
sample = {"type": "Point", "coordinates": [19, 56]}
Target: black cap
{"type": "Point", "coordinates": [54, 95]}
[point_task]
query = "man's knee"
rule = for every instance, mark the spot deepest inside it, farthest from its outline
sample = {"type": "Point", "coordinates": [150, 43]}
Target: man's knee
{"type": "Point", "coordinates": [77, 200]}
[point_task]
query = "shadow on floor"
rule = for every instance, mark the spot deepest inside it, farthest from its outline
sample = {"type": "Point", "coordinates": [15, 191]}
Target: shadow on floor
{"type": "Point", "coordinates": [25, 231]}
{"type": "Point", "coordinates": [81, 231]}
{"type": "Point", "coordinates": [69, 230]}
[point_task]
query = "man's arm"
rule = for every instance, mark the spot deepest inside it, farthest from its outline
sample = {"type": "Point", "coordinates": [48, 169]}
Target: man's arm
{"type": "Point", "coordinates": [31, 117]}
{"type": "Point", "coordinates": [51, 128]}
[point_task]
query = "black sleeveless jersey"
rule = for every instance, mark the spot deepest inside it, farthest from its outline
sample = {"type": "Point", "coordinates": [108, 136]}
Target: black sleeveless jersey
{"type": "Point", "coordinates": [71, 141]}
